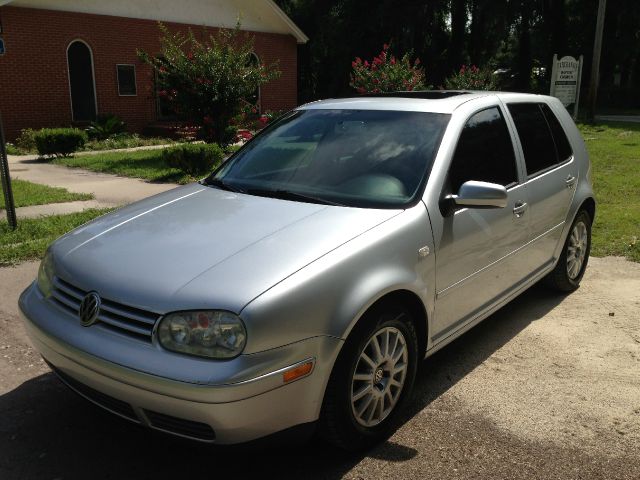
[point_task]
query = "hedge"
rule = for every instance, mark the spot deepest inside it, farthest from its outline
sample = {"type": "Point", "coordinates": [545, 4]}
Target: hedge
{"type": "Point", "coordinates": [59, 141]}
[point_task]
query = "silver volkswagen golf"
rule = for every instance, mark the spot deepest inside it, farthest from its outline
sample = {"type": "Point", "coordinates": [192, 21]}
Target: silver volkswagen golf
{"type": "Point", "coordinates": [302, 282]}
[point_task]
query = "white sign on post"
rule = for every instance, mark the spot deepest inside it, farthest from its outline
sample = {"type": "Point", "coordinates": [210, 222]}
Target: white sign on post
{"type": "Point", "coordinates": [565, 81]}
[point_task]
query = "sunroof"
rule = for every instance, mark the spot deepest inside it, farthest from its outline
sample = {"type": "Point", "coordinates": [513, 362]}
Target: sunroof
{"type": "Point", "coordinates": [425, 94]}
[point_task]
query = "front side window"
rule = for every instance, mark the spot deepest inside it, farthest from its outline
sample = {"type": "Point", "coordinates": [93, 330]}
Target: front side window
{"type": "Point", "coordinates": [484, 152]}
{"type": "Point", "coordinates": [535, 136]}
{"type": "Point", "coordinates": [358, 158]}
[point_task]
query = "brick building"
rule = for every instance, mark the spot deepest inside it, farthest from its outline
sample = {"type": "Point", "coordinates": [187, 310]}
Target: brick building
{"type": "Point", "coordinates": [62, 62]}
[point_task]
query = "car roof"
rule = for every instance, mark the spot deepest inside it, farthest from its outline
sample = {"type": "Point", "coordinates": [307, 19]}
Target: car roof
{"type": "Point", "coordinates": [436, 101]}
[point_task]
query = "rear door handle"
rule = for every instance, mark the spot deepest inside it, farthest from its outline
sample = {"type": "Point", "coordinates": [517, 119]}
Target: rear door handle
{"type": "Point", "coordinates": [519, 208]}
{"type": "Point", "coordinates": [570, 181]}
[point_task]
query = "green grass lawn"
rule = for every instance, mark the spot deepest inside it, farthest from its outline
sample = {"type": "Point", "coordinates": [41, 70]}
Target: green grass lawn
{"type": "Point", "coordinates": [32, 237]}
{"type": "Point", "coordinates": [615, 156]}
{"type": "Point", "coordinates": [27, 193]}
{"type": "Point", "coordinates": [145, 164]}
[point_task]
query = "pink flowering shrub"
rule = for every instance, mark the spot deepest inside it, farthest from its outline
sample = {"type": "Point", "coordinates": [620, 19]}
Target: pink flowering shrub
{"type": "Point", "coordinates": [472, 78]}
{"type": "Point", "coordinates": [206, 82]}
{"type": "Point", "coordinates": [248, 121]}
{"type": "Point", "coordinates": [386, 73]}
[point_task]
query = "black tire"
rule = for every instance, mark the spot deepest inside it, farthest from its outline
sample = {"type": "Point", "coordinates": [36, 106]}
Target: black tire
{"type": "Point", "coordinates": [561, 278]}
{"type": "Point", "coordinates": [338, 422]}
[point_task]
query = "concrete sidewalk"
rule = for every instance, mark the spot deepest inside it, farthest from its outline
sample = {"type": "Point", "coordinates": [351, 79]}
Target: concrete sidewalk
{"type": "Point", "coordinates": [108, 190]}
{"type": "Point", "coordinates": [618, 118]}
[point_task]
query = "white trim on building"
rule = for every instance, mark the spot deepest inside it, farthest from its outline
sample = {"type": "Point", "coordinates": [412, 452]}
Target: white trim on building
{"type": "Point", "coordinates": [254, 15]}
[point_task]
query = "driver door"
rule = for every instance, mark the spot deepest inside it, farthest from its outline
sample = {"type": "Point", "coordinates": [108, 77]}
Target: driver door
{"type": "Point", "coordinates": [476, 262]}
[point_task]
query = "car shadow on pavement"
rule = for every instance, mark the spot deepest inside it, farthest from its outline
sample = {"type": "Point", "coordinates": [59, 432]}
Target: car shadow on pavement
{"type": "Point", "coordinates": [46, 431]}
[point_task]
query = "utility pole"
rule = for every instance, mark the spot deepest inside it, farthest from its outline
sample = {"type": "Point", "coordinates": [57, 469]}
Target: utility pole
{"type": "Point", "coordinates": [9, 205]}
{"type": "Point", "coordinates": [595, 63]}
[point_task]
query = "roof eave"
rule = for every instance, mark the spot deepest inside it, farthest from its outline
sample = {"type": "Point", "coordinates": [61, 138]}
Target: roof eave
{"type": "Point", "coordinates": [295, 31]}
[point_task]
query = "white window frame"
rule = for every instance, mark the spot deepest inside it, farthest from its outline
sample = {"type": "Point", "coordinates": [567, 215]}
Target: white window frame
{"type": "Point", "coordinates": [135, 79]}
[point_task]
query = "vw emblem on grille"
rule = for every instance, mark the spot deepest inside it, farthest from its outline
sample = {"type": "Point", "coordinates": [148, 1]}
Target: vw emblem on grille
{"type": "Point", "coordinates": [89, 309]}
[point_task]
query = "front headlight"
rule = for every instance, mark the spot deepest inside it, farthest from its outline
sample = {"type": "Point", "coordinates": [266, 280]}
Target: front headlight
{"type": "Point", "coordinates": [209, 333]}
{"type": "Point", "coordinates": [45, 274]}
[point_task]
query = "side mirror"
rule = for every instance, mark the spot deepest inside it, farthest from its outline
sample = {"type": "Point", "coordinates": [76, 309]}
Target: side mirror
{"type": "Point", "coordinates": [474, 194]}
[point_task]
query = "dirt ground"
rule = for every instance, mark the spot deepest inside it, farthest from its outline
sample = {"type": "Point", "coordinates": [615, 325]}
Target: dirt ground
{"type": "Point", "coordinates": [548, 388]}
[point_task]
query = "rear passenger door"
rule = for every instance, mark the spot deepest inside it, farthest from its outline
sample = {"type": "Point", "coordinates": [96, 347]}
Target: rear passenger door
{"type": "Point", "coordinates": [551, 176]}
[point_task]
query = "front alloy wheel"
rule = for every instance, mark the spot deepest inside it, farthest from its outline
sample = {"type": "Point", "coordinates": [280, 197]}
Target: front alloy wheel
{"type": "Point", "coordinates": [371, 379]}
{"type": "Point", "coordinates": [379, 377]}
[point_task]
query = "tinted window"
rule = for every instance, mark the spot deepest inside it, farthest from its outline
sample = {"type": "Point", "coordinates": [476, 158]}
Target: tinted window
{"type": "Point", "coordinates": [535, 137]}
{"type": "Point", "coordinates": [484, 152]}
{"type": "Point", "coordinates": [127, 80]}
{"type": "Point", "coordinates": [562, 142]}
{"type": "Point", "coordinates": [362, 158]}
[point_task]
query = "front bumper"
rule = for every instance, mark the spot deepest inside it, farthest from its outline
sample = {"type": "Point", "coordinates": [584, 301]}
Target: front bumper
{"type": "Point", "coordinates": [239, 411]}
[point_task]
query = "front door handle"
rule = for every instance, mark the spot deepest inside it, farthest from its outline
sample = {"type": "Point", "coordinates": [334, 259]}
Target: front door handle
{"type": "Point", "coordinates": [519, 208]}
{"type": "Point", "coordinates": [570, 181]}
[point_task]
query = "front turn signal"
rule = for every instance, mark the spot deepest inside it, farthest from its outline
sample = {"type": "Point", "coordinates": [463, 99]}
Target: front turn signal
{"type": "Point", "coordinates": [297, 371]}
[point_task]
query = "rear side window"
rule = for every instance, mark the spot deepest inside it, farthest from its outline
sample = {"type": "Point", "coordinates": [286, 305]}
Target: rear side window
{"type": "Point", "coordinates": [535, 137]}
{"type": "Point", "coordinates": [484, 152]}
{"type": "Point", "coordinates": [562, 142]}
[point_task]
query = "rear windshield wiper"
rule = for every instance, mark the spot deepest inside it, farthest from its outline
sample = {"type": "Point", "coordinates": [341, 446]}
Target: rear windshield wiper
{"type": "Point", "coordinates": [289, 195]}
{"type": "Point", "coordinates": [222, 185]}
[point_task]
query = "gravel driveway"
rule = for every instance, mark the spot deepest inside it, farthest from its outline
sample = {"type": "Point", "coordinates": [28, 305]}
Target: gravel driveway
{"type": "Point", "coordinates": [549, 387]}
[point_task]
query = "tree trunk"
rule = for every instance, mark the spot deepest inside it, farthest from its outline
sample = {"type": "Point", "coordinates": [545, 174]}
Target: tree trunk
{"type": "Point", "coordinates": [524, 61]}
{"type": "Point", "coordinates": [458, 30]}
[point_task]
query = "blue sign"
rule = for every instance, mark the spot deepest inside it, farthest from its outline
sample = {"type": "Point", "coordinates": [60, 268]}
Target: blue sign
{"type": "Point", "coordinates": [1, 46]}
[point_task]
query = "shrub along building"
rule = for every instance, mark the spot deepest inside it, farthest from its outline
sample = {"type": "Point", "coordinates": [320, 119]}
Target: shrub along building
{"type": "Point", "coordinates": [62, 62]}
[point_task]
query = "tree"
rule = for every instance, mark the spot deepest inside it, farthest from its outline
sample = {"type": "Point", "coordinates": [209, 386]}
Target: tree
{"type": "Point", "coordinates": [458, 33]}
{"type": "Point", "coordinates": [519, 37]}
{"type": "Point", "coordinates": [205, 82]}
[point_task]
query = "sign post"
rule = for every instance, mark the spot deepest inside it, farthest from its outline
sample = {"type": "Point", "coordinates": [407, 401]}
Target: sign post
{"type": "Point", "coordinates": [566, 77]}
{"type": "Point", "coordinates": [9, 205]}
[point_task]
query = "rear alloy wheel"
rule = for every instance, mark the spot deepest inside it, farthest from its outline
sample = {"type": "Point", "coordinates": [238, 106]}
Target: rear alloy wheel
{"type": "Point", "coordinates": [569, 270]}
{"type": "Point", "coordinates": [371, 379]}
{"type": "Point", "coordinates": [577, 249]}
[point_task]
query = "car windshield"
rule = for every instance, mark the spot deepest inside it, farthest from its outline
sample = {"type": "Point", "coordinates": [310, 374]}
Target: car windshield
{"type": "Point", "coordinates": [356, 158]}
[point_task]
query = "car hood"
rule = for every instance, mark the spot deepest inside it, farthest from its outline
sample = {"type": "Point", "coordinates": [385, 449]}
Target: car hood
{"type": "Point", "coordinates": [200, 247]}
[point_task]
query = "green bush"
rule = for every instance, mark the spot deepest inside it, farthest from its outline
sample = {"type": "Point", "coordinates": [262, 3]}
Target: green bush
{"type": "Point", "coordinates": [26, 141]}
{"type": "Point", "coordinates": [12, 149]}
{"type": "Point", "coordinates": [194, 159]}
{"type": "Point", "coordinates": [59, 141]}
{"type": "Point", "coordinates": [106, 126]}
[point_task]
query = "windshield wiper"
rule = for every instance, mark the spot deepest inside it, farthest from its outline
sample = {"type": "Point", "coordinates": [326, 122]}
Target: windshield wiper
{"type": "Point", "coordinates": [222, 185]}
{"type": "Point", "coordinates": [289, 195]}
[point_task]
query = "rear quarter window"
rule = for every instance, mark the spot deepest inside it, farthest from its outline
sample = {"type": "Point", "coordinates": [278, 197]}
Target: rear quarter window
{"type": "Point", "coordinates": [563, 146]}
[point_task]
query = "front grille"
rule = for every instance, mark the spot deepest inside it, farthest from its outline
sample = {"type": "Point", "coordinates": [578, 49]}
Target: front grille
{"type": "Point", "coordinates": [101, 399]}
{"type": "Point", "coordinates": [115, 316]}
{"type": "Point", "coordinates": [180, 426]}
